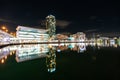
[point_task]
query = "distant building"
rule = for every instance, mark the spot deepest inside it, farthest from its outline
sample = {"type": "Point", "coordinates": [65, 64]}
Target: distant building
{"type": "Point", "coordinates": [61, 37]}
{"type": "Point", "coordinates": [5, 37]}
{"type": "Point", "coordinates": [79, 36]}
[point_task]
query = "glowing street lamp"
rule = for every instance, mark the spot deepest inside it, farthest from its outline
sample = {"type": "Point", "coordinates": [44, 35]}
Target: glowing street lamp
{"type": "Point", "coordinates": [3, 27]}
{"type": "Point", "coordinates": [6, 30]}
{"type": "Point", "coordinates": [5, 57]}
{"type": "Point", "coordinates": [11, 33]}
{"type": "Point", "coordinates": [14, 34]}
{"type": "Point", "coordinates": [2, 61]}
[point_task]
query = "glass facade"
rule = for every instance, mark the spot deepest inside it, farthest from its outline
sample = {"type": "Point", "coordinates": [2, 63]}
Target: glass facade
{"type": "Point", "coordinates": [26, 34]}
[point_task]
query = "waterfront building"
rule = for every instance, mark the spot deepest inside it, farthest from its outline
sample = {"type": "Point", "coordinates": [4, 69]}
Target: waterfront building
{"type": "Point", "coordinates": [5, 37]}
{"type": "Point", "coordinates": [27, 34]}
{"type": "Point", "coordinates": [79, 36]}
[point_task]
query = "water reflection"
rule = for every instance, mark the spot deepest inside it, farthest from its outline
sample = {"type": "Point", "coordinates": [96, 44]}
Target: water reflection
{"type": "Point", "coordinates": [29, 52]}
{"type": "Point", "coordinates": [79, 47]}
{"type": "Point", "coordinates": [4, 52]}
{"type": "Point", "coordinates": [48, 51]}
{"type": "Point", "coordinates": [51, 59]}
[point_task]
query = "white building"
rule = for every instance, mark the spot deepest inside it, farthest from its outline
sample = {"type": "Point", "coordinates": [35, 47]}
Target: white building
{"type": "Point", "coordinates": [79, 36]}
{"type": "Point", "coordinates": [27, 34]}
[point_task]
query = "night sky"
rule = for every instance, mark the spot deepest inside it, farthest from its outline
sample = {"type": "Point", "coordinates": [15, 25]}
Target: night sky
{"type": "Point", "coordinates": [72, 16]}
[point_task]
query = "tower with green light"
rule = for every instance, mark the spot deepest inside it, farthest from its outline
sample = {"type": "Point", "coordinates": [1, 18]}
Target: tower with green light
{"type": "Point", "coordinates": [51, 26]}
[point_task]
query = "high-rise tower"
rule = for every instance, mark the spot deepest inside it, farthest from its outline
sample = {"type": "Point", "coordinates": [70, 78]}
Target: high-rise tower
{"type": "Point", "coordinates": [51, 25]}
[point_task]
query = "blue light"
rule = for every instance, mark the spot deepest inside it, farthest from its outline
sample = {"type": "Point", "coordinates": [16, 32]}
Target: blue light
{"type": "Point", "coordinates": [58, 50]}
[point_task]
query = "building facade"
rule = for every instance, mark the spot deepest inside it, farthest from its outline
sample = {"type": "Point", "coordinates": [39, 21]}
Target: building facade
{"type": "Point", "coordinates": [79, 36]}
{"type": "Point", "coordinates": [27, 34]}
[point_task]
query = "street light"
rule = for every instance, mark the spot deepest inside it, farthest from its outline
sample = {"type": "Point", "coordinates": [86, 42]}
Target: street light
{"type": "Point", "coordinates": [14, 34]}
{"type": "Point", "coordinates": [4, 28]}
{"type": "Point", "coordinates": [11, 33]}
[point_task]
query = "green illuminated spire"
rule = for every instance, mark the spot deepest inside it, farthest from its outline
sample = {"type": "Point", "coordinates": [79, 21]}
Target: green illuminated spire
{"type": "Point", "coordinates": [51, 25]}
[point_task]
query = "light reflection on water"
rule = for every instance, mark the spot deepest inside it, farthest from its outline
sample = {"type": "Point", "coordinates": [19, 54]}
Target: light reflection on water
{"type": "Point", "coordinates": [34, 51]}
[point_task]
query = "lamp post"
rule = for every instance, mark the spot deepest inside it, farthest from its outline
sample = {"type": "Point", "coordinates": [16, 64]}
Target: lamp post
{"type": "Point", "coordinates": [13, 33]}
{"type": "Point", "coordinates": [4, 28]}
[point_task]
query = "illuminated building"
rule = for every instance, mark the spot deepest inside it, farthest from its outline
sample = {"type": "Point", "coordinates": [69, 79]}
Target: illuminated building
{"type": "Point", "coordinates": [50, 25]}
{"type": "Point", "coordinates": [27, 34]}
{"type": "Point", "coordinates": [31, 35]}
{"type": "Point", "coordinates": [5, 37]}
{"type": "Point", "coordinates": [79, 36]}
{"type": "Point", "coordinates": [61, 37]}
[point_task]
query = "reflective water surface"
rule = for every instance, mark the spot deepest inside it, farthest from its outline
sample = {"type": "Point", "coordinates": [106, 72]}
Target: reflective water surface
{"type": "Point", "coordinates": [63, 61]}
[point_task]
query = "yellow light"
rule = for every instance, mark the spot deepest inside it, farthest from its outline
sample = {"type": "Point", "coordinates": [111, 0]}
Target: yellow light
{"type": "Point", "coordinates": [3, 27]}
{"type": "Point", "coordinates": [50, 46]}
{"type": "Point", "coordinates": [2, 61]}
{"type": "Point", "coordinates": [115, 37]}
{"type": "Point", "coordinates": [11, 33]}
{"type": "Point", "coordinates": [10, 53]}
{"type": "Point", "coordinates": [5, 57]}
{"type": "Point", "coordinates": [13, 52]}
{"type": "Point", "coordinates": [115, 46]}
{"type": "Point", "coordinates": [6, 30]}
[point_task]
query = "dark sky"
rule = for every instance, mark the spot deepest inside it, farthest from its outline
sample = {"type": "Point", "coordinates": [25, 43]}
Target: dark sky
{"type": "Point", "coordinates": [72, 16]}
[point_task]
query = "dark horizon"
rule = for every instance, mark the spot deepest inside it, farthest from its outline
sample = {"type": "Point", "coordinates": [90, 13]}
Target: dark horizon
{"type": "Point", "coordinates": [99, 16]}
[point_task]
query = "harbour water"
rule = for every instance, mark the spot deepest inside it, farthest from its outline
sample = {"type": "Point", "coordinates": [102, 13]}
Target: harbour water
{"type": "Point", "coordinates": [65, 61]}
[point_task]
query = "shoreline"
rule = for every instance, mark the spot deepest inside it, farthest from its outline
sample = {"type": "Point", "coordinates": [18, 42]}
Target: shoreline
{"type": "Point", "coordinates": [4, 45]}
